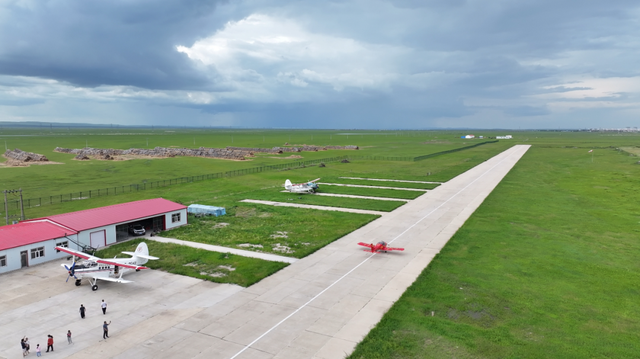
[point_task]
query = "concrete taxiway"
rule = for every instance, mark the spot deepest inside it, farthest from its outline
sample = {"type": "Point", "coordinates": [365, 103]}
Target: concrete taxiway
{"type": "Point", "coordinates": [318, 307]}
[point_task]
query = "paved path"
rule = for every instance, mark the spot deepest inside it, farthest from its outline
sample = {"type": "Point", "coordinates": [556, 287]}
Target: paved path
{"type": "Point", "coordinates": [317, 307]}
{"type": "Point", "coordinates": [381, 187]}
{"type": "Point", "coordinates": [212, 248]}
{"type": "Point", "coordinates": [387, 180]}
{"type": "Point", "coordinates": [354, 196]}
{"type": "Point", "coordinates": [311, 206]}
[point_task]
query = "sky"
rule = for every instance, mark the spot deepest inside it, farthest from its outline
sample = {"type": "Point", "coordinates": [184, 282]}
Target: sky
{"type": "Point", "coordinates": [356, 64]}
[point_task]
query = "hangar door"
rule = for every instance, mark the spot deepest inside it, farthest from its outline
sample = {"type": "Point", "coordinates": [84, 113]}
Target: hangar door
{"type": "Point", "coordinates": [98, 239]}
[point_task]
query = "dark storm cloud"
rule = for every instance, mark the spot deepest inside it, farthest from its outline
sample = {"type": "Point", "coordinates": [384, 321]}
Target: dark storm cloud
{"type": "Point", "coordinates": [92, 43]}
{"type": "Point", "coordinates": [352, 63]}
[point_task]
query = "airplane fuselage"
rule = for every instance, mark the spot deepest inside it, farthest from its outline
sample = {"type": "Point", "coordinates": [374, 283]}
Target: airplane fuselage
{"type": "Point", "coordinates": [93, 269]}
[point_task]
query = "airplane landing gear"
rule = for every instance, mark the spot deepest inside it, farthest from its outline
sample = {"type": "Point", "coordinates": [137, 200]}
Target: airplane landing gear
{"type": "Point", "coordinates": [94, 287]}
{"type": "Point", "coordinates": [78, 282]}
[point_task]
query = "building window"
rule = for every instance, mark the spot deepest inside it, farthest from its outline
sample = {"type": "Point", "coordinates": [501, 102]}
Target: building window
{"type": "Point", "coordinates": [175, 217]}
{"type": "Point", "coordinates": [3, 261]}
{"type": "Point", "coordinates": [64, 244]}
{"type": "Point", "coordinates": [37, 252]}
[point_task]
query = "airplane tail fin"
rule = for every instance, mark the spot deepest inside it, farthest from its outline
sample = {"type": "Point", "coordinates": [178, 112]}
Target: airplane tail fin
{"type": "Point", "coordinates": [141, 254]}
{"type": "Point", "coordinates": [287, 184]}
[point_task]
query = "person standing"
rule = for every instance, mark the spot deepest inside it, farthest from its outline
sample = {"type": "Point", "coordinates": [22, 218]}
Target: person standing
{"type": "Point", "coordinates": [82, 309]}
{"type": "Point", "coordinates": [38, 350]}
{"type": "Point", "coordinates": [69, 337]}
{"type": "Point", "coordinates": [50, 343]}
{"type": "Point", "coordinates": [27, 345]}
{"type": "Point", "coordinates": [24, 347]}
{"type": "Point", "coordinates": [105, 330]}
{"type": "Point", "coordinates": [104, 307]}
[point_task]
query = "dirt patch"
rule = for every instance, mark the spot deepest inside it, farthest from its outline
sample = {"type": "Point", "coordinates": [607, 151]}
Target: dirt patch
{"type": "Point", "coordinates": [14, 163]}
{"type": "Point", "coordinates": [292, 157]}
{"type": "Point", "coordinates": [220, 225]}
{"type": "Point", "coordinates": [214, 274]}
{"type": "Point", "coordinates": [229, 268]}
{"type": "Point", "coordinates": [282, 248]}
{"type": "Point", "coordinates": [264, 215]}
{"type": "Point", "coordinates": [249, 245]}
{"type": "Point", "coordinates": [192, 264]}
{"type": "Point", "coordinates": [279, 234]}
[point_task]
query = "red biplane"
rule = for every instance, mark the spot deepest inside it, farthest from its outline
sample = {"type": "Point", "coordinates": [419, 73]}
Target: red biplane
{"type": "Point", "coordinates": [379, 247]}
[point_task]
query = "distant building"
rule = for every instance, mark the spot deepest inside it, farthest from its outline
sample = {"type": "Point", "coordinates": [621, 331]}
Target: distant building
{"type": "Point", "coordinates": [507, 137]}
{"type": "Point", "coordinates": [33, 241]}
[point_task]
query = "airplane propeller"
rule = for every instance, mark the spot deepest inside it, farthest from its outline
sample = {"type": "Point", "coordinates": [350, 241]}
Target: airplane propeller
{"type": "Point", "coordinates": [72, 271]}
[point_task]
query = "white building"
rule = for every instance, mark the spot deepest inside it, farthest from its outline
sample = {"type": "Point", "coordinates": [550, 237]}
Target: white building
{"type": "Point", "coordinates": [33, 241]}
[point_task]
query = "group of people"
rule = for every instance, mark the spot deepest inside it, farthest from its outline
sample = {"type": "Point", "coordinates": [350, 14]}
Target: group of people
{"type": "Point", "coordinates": [26, 345]}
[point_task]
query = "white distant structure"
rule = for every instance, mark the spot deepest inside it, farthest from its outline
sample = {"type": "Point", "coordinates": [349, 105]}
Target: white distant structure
{"type": "Point", "coordinates": [468, 136]}
{"type": "Point", "coordinates": [507, 137]}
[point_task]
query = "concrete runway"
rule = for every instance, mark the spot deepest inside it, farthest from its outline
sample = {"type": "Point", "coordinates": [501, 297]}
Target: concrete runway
{"type": "Point", "coordinates": [318, 307]}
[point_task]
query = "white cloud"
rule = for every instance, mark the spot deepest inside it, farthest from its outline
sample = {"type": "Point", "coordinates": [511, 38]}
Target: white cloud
{"type": "Point", "coordinates": [281, 51]}
{"type": "Point", "coordinates": [594, 88]}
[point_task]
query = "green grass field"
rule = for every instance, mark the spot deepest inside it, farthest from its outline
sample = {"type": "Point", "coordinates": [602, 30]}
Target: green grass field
{"type": "Point", "coordinates": [546, 267]}
{"type": "Point", "coordinates": [198, 263]}
{"type": "Point", "coordinates": [302, 231]}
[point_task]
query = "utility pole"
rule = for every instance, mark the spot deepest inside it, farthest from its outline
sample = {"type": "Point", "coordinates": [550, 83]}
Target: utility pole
{"type": "Point", "coordinates": [6, 205]}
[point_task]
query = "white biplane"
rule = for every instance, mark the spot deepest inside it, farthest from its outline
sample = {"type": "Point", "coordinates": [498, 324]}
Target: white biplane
{"type": "Point", "coordinates": [308, 187]}
{"type": "Point", "coordinates": [110, 270]}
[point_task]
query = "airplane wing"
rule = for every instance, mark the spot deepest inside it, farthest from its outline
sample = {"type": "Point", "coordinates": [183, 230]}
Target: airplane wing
{"type": "Point", "coordinates": [141, 255]}
{"type": "Point", "coordinates": [77, 253]}
{"type": "Point", "coordinates": [116, 280]}
{"type": "Point", "coordinates": [111, 263]}
{"type": "Point", "coordinates": [365, 244]}
{"type": "Point", "coordinates": [393, 249]}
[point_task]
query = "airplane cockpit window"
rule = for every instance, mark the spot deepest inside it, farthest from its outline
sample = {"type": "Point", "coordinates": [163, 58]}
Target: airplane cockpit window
{"type": "Point", "coordinates": [383, 243]}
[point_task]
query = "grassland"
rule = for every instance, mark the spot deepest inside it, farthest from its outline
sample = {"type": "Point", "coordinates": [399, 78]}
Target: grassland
{"type": "Point", "coordinates": [198, 263]}
{"type": "Point", "coordinates": [302, 231]}
{"type": "Point", "coordinates": [546, 267]}
{"type": "Point", "coordinates": [74, 176]}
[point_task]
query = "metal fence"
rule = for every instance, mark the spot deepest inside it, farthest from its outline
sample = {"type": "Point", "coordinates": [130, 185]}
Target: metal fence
{"type": "Point", "coordinates": [135, 187]}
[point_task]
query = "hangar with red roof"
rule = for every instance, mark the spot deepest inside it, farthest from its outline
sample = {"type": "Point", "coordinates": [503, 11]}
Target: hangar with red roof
{"type": "Point", "coordinates": [33, 241]}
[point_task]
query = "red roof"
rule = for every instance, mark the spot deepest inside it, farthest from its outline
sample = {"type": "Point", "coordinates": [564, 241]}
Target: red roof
{"type": "Point", "coordinates": [118, 213]}
{"type": "Point", "coordinates": [25, 233]}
